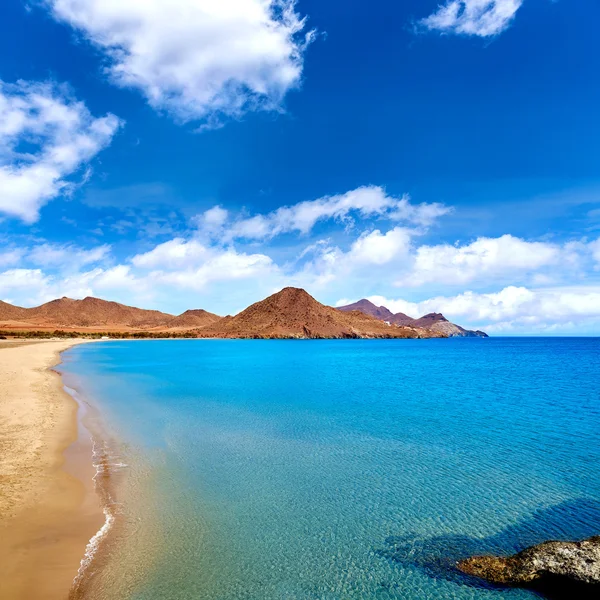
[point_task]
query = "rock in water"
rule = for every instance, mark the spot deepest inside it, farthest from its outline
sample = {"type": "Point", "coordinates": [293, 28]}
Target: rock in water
{"type": "Point", "coordinates": [575, 562]}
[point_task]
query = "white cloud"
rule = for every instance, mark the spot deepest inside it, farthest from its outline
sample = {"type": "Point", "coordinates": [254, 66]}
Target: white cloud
{"type": "Point", "coordinates": [176, 253]}
{"type": "Point", "coordinates": [364, 202]}
{"type": "Point", "coordinates": [11, 257]}
{"type": "Point", "coordinates": [373, 256]}
{"type": "Point", "coordinates": [21, 280]}
{"type": "Point", "coordinates": [394, 258]}
{"type": "Point", "coordinates": [484, 258]}
{"type": "Point", "coordinates": [48, 271]}
{"type": "Point", "coordinates": [595, 249]}
{"type": "Point", "coordinates": [376, 248]}
{"type": "Point", "coordinates": [473, 17]}
{"type": "Point", "coordinates": [215, 216]}
{"type": "Point", "coordinates": [67, 256]}
{"type": "Point", "coordinates": [32, 287]}
{"type": "Point", "coordinates": [196, 59]}
{"type": "Point", "coordinates": [60, 136]}
{"type": "Point", "coordinates": [191, 265]}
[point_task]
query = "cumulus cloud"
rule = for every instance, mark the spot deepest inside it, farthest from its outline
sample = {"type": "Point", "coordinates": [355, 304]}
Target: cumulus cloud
{"type": "Point", "coordinates": [190, 264]}
{"type": "Point", "coordinates": [376, 248]}
{"type": "Point", "coordinates": [175, 253]}
{"type": "Point", "coordinates": [473, 17]}
{"type": "Point", "coordinates": [45, 137]}
{"type": "Point", "coordinates": [363, 202]}
{"type": "Point", "coordinates": [33, 286]}
{"type": "Point", "coordinates": [56, 270]}
{"type": "Point", "coordinates": [196, 59]}
{"type": "Point", "coordinates": [47, 271]}
{"type": "Point", "coordinates": [395, 258]}
{"type": "Point", "coordinates": [483, 258]}
{"type": "Point", "coordinates": [371, 257]}
{"type": "Point", "coordinates": [17, 280]}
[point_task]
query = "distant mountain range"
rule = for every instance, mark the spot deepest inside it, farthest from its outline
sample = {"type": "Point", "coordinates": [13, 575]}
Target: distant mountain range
{"type": "Point", "coordinates": [432, 321]}
{"type": "Point", "coordinates": [290, 313]}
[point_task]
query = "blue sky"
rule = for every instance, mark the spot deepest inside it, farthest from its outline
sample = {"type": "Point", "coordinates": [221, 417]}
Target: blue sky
{"type": "Point", "coordinates": [431, 155]}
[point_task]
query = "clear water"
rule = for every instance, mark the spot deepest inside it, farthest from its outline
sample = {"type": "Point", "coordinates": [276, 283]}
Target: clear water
{"type": "Point", "coordinates": [339, 470]}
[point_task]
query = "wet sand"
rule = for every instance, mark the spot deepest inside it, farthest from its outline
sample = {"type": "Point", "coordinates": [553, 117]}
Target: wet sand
{"type": "Point", "coordinates": [48, 508]}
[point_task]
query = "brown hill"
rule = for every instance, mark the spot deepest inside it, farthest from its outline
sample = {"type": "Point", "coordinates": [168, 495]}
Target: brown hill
{"type": "Point", "coordinates": [8, 312]}
{"type": "Point", "coordinates": [368, 308]}
{"type": "Point", "coordinates": [193, 319]}
{"type": "Point", "coordinates": [435, 322]}
{"type": "Point", "coordinates": [431, 319]}
{"type": "Point", "coordinates": [379, 312]}
{"type": "Point", "coordinates": [89, 312]}
{"type": "Point", "coordinates": [293, 312]}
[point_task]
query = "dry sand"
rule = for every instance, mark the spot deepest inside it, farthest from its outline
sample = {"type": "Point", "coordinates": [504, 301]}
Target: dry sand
{"type": "Point", "coordinates": [48, 509]}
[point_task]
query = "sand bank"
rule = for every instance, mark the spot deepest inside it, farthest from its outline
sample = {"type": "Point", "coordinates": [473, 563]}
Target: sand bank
{"type": "Point", "coordinates": [48, 509]}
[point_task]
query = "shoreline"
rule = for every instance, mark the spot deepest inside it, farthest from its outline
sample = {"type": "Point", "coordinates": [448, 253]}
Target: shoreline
{"type": "Point", "coordinates": [109, 473]}
{"type": "Point", "coordinates": [49, 509]}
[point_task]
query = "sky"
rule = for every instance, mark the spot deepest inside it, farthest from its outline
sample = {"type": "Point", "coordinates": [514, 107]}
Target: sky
{"type": "Point", "coordinates": [430, 155]}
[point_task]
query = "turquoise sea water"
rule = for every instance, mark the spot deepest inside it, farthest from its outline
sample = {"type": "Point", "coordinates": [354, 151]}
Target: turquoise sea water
{"type": "Point", "coordinates": [338, 470]}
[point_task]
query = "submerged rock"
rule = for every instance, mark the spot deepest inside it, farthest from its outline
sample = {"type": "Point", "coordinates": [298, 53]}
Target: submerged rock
{"type": "Point", "coordinates": [571, 563]}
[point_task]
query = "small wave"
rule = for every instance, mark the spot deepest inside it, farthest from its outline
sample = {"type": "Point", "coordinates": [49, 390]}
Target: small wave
{"type": "Point", "coordinates": [105, 463]}
{"type": "Point", "coordinates": [92, 547]}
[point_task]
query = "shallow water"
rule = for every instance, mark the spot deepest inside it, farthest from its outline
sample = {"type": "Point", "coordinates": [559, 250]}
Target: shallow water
{"type": "Point", "coordinates": [338, 470]}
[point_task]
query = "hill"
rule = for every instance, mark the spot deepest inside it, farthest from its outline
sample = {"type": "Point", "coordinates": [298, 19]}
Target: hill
{"type": "Point", "coordinates": [94, 312]}
{"type": "Point", "coordinates": [379, 312]}
{"type": "Point", "coordinates": [8, 312]}
{"type": "Point", "coordinates": [293, 312]}
{"type": "Point", "coordinates": [89, 313]}
{"type": "Point", "coordinates": [435, 322]}
{"type": "Point", "coordinates": [193, 319]}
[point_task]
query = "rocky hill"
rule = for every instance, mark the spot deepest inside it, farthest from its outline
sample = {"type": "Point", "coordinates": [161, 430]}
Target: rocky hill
{"type": "Point", "coordinates": [193, 319]}
{"type": "Point", "coordinates": [293, 312]}
{"type": "Point", "coordinates": [368, 308]}
{"type": "Point", "coordinates": [8, 312]}
{"type": "Point", "coordinates": [93, 312]}
{"type": "Point", "coordinates": [434, 322]}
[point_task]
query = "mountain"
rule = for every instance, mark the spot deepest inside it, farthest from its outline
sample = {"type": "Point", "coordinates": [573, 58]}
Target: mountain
{"type": "Point", "coordinates": [193, 319]}
{"type": "Point", "coordinates": [435, 322]}
{"type": "Point", "coordinates": [81, 314]}
{"type": "Point", "coordinates": [293, 312]}
{"type": "Point", "coordinates": [94, 312]}
{"type": "Point", "coordinates": [8, 312]}
{"type": "Point", "coordinates": [379, 312]}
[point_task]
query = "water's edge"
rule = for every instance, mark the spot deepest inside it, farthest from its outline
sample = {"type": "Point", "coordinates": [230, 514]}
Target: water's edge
{"type": "Point", "coordinates": [107, 466]}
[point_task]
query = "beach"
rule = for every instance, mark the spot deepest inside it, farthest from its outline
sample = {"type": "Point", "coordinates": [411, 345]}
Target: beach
{"type": "Point", "coordinates": [48, 508]}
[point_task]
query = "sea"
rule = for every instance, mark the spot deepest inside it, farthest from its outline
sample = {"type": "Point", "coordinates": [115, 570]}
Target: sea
{"type": "Point", "coordinates": [333, 469]}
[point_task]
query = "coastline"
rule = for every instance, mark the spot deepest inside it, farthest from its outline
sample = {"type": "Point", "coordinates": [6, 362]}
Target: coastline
{"type": "Point", "coordinates": [49, 510]}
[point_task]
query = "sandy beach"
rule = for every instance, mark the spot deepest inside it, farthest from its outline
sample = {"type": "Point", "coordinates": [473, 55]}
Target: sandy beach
{"type": "Point", "coordinates": [48, 509]}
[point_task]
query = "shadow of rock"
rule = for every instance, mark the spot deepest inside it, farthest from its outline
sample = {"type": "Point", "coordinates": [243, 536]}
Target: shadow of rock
{"type": "Point", "coordinates": [437, 556]}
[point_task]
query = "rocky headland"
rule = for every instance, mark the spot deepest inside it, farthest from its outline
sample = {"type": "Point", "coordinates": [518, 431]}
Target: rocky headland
{"type": "Point", "coordinates": [434, 322]}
